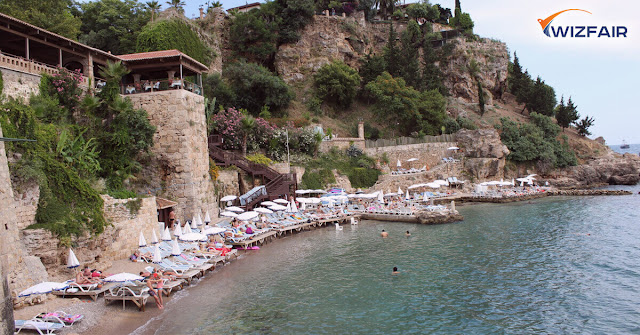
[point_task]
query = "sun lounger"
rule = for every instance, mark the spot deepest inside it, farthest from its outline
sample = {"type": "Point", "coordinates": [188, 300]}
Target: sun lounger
{"type": "Point", "coordinates": [60, 317]}
{"type": "Point", "coordinates": [82, 290]}
{"type": "Point", "coordinates": [138, 294]}
{"type": "Point", "coordinates": [42, 327]}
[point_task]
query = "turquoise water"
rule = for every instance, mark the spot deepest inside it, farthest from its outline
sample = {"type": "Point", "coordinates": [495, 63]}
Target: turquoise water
{"type": "Point", "coordinates": [557, 265]}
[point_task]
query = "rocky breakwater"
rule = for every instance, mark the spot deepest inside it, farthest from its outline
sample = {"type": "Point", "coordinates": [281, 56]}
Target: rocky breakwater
{"type": "Point", "coordinates": [438, 217]}
{"type": "Point", "coordinates": [587, 192]}
{"type": "Point", "coordinates": [484, 153]}
{"type": "Point", "coordinates": [612, 169]}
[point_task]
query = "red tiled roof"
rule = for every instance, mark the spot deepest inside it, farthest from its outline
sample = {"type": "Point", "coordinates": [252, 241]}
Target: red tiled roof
{"type": "Point", "coordinates": [159, 54]}
{"type": "Point", "coordinates": [255, 4]}
{"type": "Point", "coordinates": [164, 203]}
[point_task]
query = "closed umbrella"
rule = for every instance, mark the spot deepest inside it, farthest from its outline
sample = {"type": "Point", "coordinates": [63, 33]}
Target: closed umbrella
{"type": "Point", "coordinates": [199, 223]}
{"type": "Point", "coordinates": [303, 206]}
{"type": "Point", "coordinates": [43, 288]}
{"type": "Point", "coordinates": [141, 241]}
{"type": "Point", "coordinates": [294, 207]}
{"type": "Point", "coordinates": [399, 164]}
{"type": "Point", "coordinates": [229, 214]}
{"type": "Point", "coordinates": [154, 237]}
{"type": "Point", "coordinates": [166, 235]}
{"type": "Point", "coordinates": [380, 197]}
{"type": "Point", "coordinates": [400, 191]}
{"type": "Point", "coordinates": [234, 209]}
{"type": "Point", "coordinates": [157, 257]}
{"type": "Point", "coordinates": [228, 198]}
{"type": "Point", "coordinates": [175, 248]}
{"type": "Point", "coordinates": [177, 231]}
{"type": "Point", "coordinates": [186, 229]}
{"type": "Point", "coordinates": [288, 207]}
{"type": "Point", "coordinates": [72, 260]}
{"type": "Point", "coordinates": [123, 277]}
{"type": "Point", "coordinates": [207, 218]}
{"type": "Point", "coordinates": [248, 216]}
{"type": "Point", "coordinates": [406, 197]}
{"type": "Point", "coordinates": [194, 223]}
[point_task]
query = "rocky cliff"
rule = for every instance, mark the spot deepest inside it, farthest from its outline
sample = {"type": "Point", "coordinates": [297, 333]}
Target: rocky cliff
{"type": "Point", "coordinates": [613, 169]}
{"type": "Point", "coordinates": [484, 153]}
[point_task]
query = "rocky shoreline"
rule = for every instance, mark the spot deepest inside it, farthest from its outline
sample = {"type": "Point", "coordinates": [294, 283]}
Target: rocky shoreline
{"type": "Point", "coordinates": [423, 217]}
{"type": "Point", "coordinates": [582, 192]}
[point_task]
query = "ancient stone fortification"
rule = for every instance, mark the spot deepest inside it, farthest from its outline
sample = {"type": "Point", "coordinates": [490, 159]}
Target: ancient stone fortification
{"type": "Point", "coordinates": [19, 85]}
{"type": "Point", "coordinates": [180, 170]}
{"type": "Point", "coordinates": [9, 245]}
{"type": "Point", "coordinates": [429, 154]}
{"type": "Point", "coordinates": [485, 155]}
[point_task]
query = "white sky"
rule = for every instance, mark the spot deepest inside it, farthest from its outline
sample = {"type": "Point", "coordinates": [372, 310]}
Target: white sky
{"type": "Point", "coordinates": [599, 74]}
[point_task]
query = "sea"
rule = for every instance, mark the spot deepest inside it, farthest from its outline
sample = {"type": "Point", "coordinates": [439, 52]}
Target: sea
{"type": "Point", "coordinates": [556, 265]}
{"type": "Point", "coordinates": [633, 149]}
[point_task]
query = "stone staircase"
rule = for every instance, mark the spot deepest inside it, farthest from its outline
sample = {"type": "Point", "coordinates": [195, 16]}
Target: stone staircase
{"type": "Point", "coordinates": [277, 184]}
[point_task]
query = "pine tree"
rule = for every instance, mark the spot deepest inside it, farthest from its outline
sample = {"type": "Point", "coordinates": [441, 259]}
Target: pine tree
{"type": "Point", "coordinates": [566, 114]}
{"type": "Point", "coordinates": [458, 5]}
{"type": "Point", "coordinates": [481, 100]}
{"type": "Point", "coordinates": [431, 74]}
{"type": "Point", "coordinates": [583, 126]}
{"type": "Point", "coordinates": [516, 76]}
{"type": "Point", "coordinates": [392, 53]}
{"type": "Point", "coordinates": [410, 66]}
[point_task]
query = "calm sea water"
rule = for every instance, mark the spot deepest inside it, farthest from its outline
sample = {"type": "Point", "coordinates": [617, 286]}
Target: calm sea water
{"type": "Point", "coordinates": [562, 265]}
{"type": "Point", "coordinates": [633, 148]}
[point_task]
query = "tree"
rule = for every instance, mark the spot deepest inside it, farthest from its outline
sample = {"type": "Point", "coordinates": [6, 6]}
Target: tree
{"type": "Point", "coordinates": [541, 98]}
{"type": "Point", "coordinates": [253, 37]}
{"type": "Point", "coordinates": [173, 34]}
{"type": "Point", "coordinates": [371, 66]}
{"type": "Point", "coordinates": [567, 114]}
{"type": "Point", "coordinates": [294, 16]}
{"type": "Point", "coordinates": [247, 125]}
{"type": "Point", "coordinates": [481, 101]}
{"type": "Point", "coordinates": [215, 88]}
{"type": "Point", "coordinates": [154, 8]}
{"type": "Point", "coordinates": [52, 15]}
{"type": "Point", "coordinates": [177, 4]}
{"type": "Point", "coordinates": [444, 14]}
{"type": "Point", "coordinates": [583, 126]}
{"type": "Point", "coordinates": [423, 10]}
{"type": "Point", "coordinates": [392, 53]}
{"type": "Point", "coordinates": [431, 74]}
{"type": "Point", "coordinates": [457, 5]}
{"type": "Point", "coordinates": [112, 73]}
{"type": "Point", "coordinates": [410, 66]}
{"type": "Point", "coordinates": [337, 83]}
{"type": "Point", "coordinates": [385, 6]}
{"type": "Point", "coordinates": [113, 25]}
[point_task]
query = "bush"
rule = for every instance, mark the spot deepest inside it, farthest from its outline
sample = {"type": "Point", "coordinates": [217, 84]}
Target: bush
{"type": "Point", "coordinates": [228, 124]}
{"type": "Point", "coordinates": [337, 83]}
{"type": "Point", "coordinates": [363, 177]}
{"type": "Point", "coordinates": [260, 159]}
{"type": "Point", "coordinates": [353, 151]}
{"type": "Point", "coordinates": [214, 87]}
{"type": "Point", "coordinates": [173, 34]}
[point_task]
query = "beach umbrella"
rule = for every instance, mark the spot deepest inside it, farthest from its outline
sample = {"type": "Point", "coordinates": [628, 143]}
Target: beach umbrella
{"type": "Point", "coordinates": [72, 260]}
{"type": "Point", "coordinates": [207, 218]}
{"type": "Point", "coordinates": [412, 159]}
{"type": "Point", "coordinates": [166, 235]}
{"type": "Point", "coordinates": [281, 201]}
{"type": "Point", "coordinates": [453, 148]}
{"type": "Point", "coordinates": [229, 214]}
{"type": "Point", "coordinates": [294, 207]}
{"type": "Point", "coordinates": [200, 223]}
{"type": "Point", "coordinates": [141, 241]}
{"type": "Point", "coordinates": [314, 200]}
{"type": "Point", "coordinates": [175, 248]}
{"type": "Point", "coordinates": [123, 277]}
{"type": "Point", "coordinates": [263, 210]}
{"type": "Point", "coordinates": [400, 191]}
{"type": "Point", "coordinates": [380, 197]}
{"type": "Point", "coordinates": [277, 207]}
{"type": "Point", "coordinates": [228, 198]}
{"type": "Point", "coordinates": [43, 288]}
{"type": "Point", "coordinates": [234, 209]}
{"type": "Point", "coordinates": [399, 164]}
{"type": "Point", "coordinates": [406, 197]}
{"type": "Point", "coordinates": [303, 206]}
{"type": "Point", "coordinates": [441, 182]}
{"type": "Point", "coordinates": [154, 237]}
{"type": "Point", "coordinates": [432, 185]}
{"type": "Point", "coordinates": [248, 216]}
{"type": "Point", "coordinates": [302, 191]}
{"type": "Point", "coordinates": [319, 191]}
{"type": "Point", "coordinates": [213, 230]}
{"type": "Point", "coordinates": [415, 186]}
{"type": "Point", "coordinates": [425, 197]}
{"type": "Point", "coordinates": [194, 222]}
{"type": "Point", "coordinates": [268, 203]}
{"type": "Point", "coordinates": [288, 207]}
{"type": "Point", "coordinates": [157, 257]}
{"type": "Point", "coordinates": [186, 229]}
{"type": "Point", "coordinates": [177, 231]}
{"type": "Point", "coordinates": [192, 237]}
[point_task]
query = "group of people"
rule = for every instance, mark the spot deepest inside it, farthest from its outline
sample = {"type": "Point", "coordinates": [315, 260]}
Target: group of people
{"type": "Point", "coordinates": [89, 276]}
{"type": "Point", "coordinates": [155, 282]}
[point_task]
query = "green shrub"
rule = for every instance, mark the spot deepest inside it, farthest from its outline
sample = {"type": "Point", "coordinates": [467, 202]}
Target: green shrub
{"type": "Point", "coordinates": [337, 83]}
{"type": "Point", "coordinates": [259, 159]}
{"type": "Point", "coordinates": [122, 194]}
{"type": "Point", "coordinates": [173, 34]}
{"type": "Point", "coordinates": [363, 177]}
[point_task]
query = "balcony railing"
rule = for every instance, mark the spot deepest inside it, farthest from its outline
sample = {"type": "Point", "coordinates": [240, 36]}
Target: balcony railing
{"type": "Point", "coordinates": [17, 63]}
{"type": "Point", "coordinates": [149, 86]}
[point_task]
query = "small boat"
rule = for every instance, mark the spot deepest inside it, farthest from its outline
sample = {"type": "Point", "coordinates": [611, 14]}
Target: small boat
{"type": "Point", "coordinates": [624, 145]}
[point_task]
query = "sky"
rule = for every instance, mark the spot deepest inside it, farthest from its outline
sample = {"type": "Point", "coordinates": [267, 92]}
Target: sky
{"type": "Point", "coordinates": [600, 74]}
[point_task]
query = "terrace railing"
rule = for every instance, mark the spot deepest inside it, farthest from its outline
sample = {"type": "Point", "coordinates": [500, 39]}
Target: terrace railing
{"type": "Point", "coordinates": [149, 86]}
{"type": "Point", "coordinates": [17, 63]}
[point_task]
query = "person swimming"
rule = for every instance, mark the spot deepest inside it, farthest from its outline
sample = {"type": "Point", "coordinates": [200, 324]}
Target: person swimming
{"type": "Point", "coordinates": [384, 233]}
{"type": "Point", "coordinates": [395, 270]}
{"type": "Point", "coordinates": [407, 234]}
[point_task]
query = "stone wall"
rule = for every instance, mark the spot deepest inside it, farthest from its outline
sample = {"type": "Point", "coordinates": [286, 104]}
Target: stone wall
{"type": "Point", "coordinates": [26, 200]}
{"type": "Point", "coordinates": [18, 84]}
{"type": "Point", "coordinates": [429, 154]}
{"type": "Point", "coordinates": [228, 182]}
{"type": "Point", "coordinates": [342, 143]}
{"type": "Point", "coordinates": [180, 149]}
{"type": "Point", "coordinates": [8, 242]}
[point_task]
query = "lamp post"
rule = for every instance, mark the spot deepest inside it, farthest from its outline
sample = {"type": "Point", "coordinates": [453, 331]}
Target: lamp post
{"type": "Point", "coordinates": [288, 159]}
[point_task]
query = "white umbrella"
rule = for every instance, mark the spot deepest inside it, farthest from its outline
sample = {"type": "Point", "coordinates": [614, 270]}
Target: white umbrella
{"type": "Point", "coordinates": [425, 197]}
{"type": "Point", "coordinates": [302, 191]}
{"type": "Point", "coordinates": [42, 288]}
{"type": "Point", "coordinates": [288, 207]}
{"type": "Point", "coordinates": [390, 194]}
{"type": "Point", "coordinates": [192, 237]}
{"type": "Point", "coordinates": [186, 229]}
{"type": "Point", "coordinates": [412, 159]}
{"type": "Point", "coordinates": [199, 223]}
{"type": "Point", "coordinates": [277, 207]}
{"type": "Point", "coordinates": [122, 277]}
{"type": "Point", "coordinates": [194, 223]}
{"type": "Point", "coordinates": [432, 185]}
{"type": "Point", "coordinates": [229, 214]}
{"type": "Point", "coordinates": [281, 201]}
{"type": "Point", "coordinates": [248, 216]}
{"type": "Point", "coordinates": [441, 182]}
{"type": "Point", "coordinates": [294, 207]}
{"type": "Point", "coordinates": [415, 186]}
{"type": "Point", "coordinates": [234, 209]}
{"type": "Point", "coordinates": [175, 248]}
{"type": "Point", "coordinates": [157, 256]}
{"type": "Point", "coordinates": [380, 197]}
{"type": "Point", "coordinates": [72, 260]}
{"type": "Point", "coordinates": [268, 203]}
{"type": "Point", "coordinates": [406, 197]}
{"type": "Point", "coordinates": [154, 237]}
{"type": "Point", "coordinates": [207, 218]}
{"type": "Point", "coordinates": [400, 191]}
{"type": "Point", "coordinates": [314, 200]}
{"type": "Point", "coordinates": [141, 241]}
{"type": "Point", "coordinates": [177, 231]}
{"type": "Point", "coordinates": [263, 210]}
{"type": "Point", "coordinates": [303, 206]}
{"type": "Point", "coordinates": [228, 198]}
{"type": "Point", "coordinates": [453, 148]}
{"type": "Point", "coordinates": [166, 235]}
{"type": "Point", "coordinates": [319, 191]}
{"type": "Point", "coordinates": [213, 230]}
{"type": "Point", "coordinates": [399, 164]}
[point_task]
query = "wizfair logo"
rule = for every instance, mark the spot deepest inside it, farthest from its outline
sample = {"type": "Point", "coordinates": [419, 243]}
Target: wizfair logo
{"type": "Point", "coordinates": [579, 31]}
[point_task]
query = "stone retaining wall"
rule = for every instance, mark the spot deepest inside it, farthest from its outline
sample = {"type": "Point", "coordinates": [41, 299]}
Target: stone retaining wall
{"type": "Point", "coordinates": [18, 84]}
{"type": "Point", "coordinates": [342, 143]}
{"type": "Point", "coordinates": [429, 154]}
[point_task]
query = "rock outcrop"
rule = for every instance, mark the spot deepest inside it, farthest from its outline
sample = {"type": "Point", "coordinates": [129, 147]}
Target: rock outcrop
{"type": "Point", "coordinates": [426, 217]}
{"type": "Point", "coordinates": [613, 169]}
{"type": "Point", "coordinates": [485, 154]}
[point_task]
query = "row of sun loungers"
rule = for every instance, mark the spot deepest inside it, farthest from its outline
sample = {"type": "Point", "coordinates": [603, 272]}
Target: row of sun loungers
{"type": "Point", "coordinates": [450, 160]}
{"type": "Point", "coordinates": [48, 323]}
{"type": "Point", "coordinates": [409, 171]}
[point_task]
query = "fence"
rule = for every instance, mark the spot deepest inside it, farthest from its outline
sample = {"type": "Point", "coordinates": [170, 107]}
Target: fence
{"type": "Point", "coordinates": [409, 140]}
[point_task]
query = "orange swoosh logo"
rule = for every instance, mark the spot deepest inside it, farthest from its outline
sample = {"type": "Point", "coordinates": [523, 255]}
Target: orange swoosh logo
{"type": "Point", "coordinates": [545, 22]}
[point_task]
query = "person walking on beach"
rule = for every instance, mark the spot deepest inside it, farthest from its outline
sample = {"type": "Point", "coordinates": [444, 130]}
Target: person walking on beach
{"type": "Point", "coordinates": [384, 234]}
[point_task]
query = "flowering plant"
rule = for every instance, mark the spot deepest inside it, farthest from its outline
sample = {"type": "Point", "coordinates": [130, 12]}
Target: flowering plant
{"type": "Point", "coordinates": [228, 124]}
{"type": "Point", "coordinates": [65, 85]}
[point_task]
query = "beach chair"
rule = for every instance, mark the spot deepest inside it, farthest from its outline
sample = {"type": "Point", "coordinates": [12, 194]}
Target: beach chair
{"type": "Point", "coordinates": [82, 290]}
{"type": "Point", "coordinates": [138, 293]}
{"type": "Point", "coordinates": [42, 327]}
{"type": "Point", "coordinates": [61, 317]}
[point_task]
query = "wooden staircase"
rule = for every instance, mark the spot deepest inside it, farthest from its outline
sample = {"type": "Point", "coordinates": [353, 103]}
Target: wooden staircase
{"type": "Point", "coordinates": [277, 184]}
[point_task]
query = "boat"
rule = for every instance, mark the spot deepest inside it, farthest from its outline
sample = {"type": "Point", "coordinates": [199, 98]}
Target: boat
{"type": "Point", "coordinates": [624, 145]}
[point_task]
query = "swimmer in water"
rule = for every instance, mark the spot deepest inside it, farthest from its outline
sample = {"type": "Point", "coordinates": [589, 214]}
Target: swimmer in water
{"type": "Point", "coordinates": [407, 234]}
{"type": "Point", "coordinates": [384, 233]}
{"type": "Point", "coordinates": [395, 270]}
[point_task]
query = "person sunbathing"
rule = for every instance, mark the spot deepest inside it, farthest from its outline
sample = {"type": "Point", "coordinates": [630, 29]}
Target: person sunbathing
{"type": "Point", "coordinates": [84, 278]}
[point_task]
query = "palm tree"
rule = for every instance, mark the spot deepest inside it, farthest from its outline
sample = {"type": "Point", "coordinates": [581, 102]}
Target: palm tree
{"type": "Point", "coordinates": [177, 4]}
{"type": "Point", "coordinates": [112, 73]}
{"type": "Point", "coordinates": [247, 124]}
{"type": "Point", "coordinates": [154, 7]}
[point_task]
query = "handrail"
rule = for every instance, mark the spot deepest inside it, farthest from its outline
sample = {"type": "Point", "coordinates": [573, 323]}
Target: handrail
{"type": "Point", "coordinates": [155, 85]}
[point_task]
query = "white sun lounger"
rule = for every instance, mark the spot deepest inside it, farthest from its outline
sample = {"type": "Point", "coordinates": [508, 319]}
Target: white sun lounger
{"type": "Point", "coordinates": [42, 327]}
